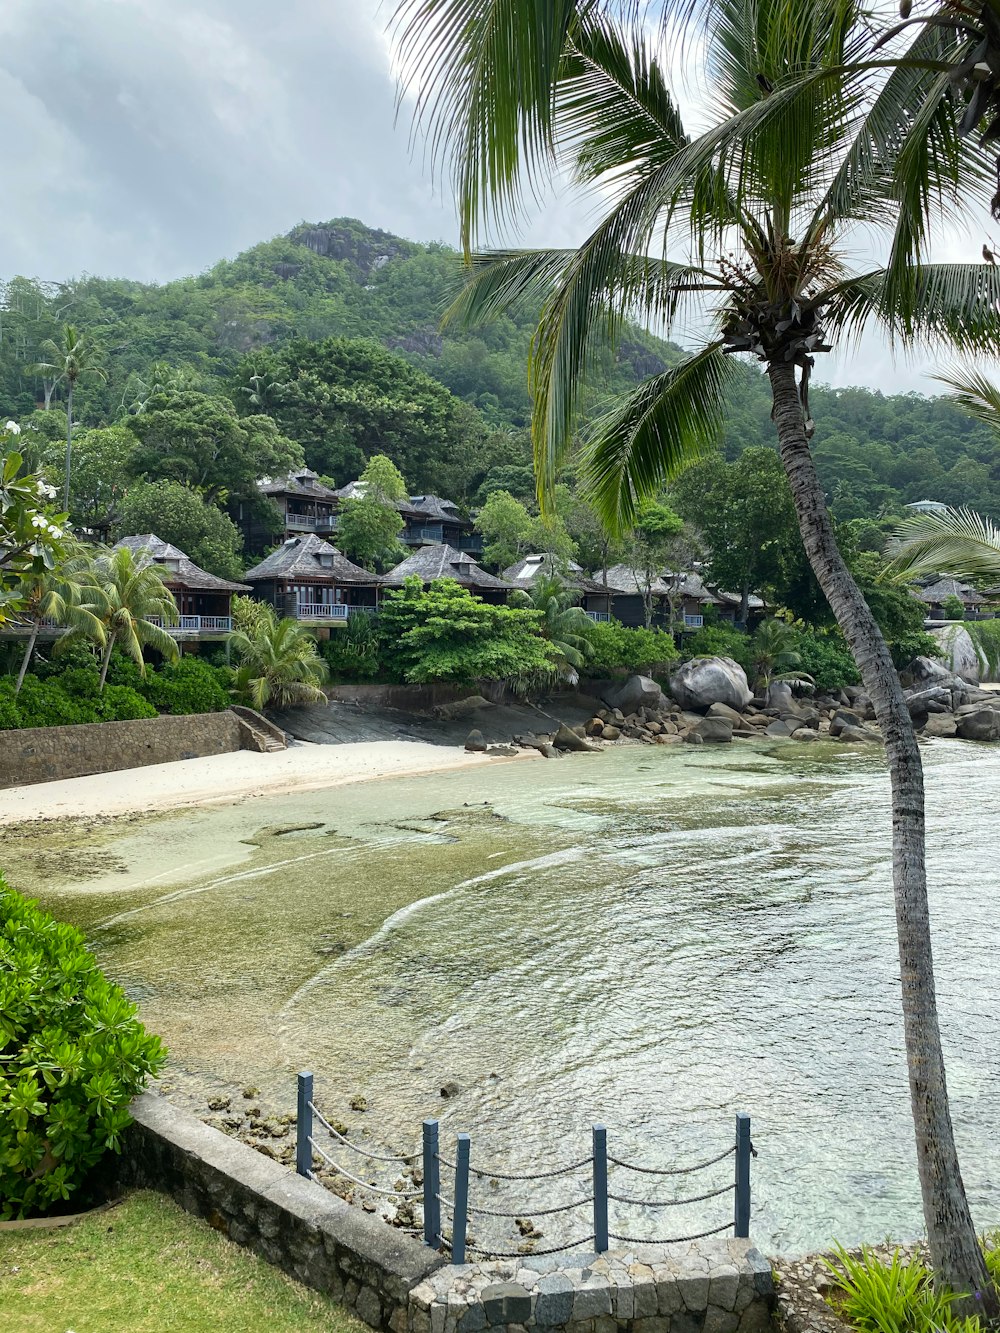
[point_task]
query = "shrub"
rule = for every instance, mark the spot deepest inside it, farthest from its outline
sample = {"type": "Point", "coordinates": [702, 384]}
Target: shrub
{"type": "Point", "coordinates": [10, 714]}
{"type": "Point", "coordinates": [74, 1055]}
{"type": "Point", "coordinates": [953, 607]}
{"type": "Point", "coordinates": [189, 685]}
{"type": "Point", "coordinates": [44, 703]}
{"type": "Point", "coordinates": [894, 1297]}
{"type": "Point", "coordinates": [615, 645]}
{"type": "Point", "coordinates": [354, 653]}
{"type": "Point", "coordinates": [718, 641]}
{"type": "Point", "coordinates": [826, 657]}
{"type": "Point", "coordinates": [120, 703]}
{"type": "Point", "coordinates": [910, 644]}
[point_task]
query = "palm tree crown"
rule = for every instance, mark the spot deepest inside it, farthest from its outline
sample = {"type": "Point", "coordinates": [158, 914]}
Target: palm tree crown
{"type": "Point", "coordinates": [279, 663]}
{"type": "Point", "coordinates": [68, 360]}
{"type": "Point", "coordinates": [563, 623]}
{"type": "Point", "coordinates": [128, 599]}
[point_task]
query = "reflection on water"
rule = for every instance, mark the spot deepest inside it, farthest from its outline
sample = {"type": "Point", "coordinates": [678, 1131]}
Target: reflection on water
{"type": "Point", "coordinates": [653, 939]}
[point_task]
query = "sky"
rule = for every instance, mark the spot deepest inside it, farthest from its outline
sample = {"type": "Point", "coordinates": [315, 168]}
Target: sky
{"type": "Point", "coordinates": [149, 138]}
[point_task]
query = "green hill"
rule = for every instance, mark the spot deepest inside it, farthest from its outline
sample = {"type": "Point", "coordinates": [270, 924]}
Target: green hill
{"type": "Point", "coordinates": [450, 405]}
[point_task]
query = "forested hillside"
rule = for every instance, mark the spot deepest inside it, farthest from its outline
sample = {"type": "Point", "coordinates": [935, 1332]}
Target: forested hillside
{"type": "Point", "coordinates": [449, 406]}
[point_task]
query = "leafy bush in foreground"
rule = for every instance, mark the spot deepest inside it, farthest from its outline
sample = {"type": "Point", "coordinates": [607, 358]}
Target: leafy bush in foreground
{"type": "Point", "coordinates": [72, 1056]}
{"type": "Point", "coordinates": [893, 1297]}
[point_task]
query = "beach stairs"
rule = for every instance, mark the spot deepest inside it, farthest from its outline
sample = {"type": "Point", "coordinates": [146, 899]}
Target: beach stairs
{"type": "Point", "coordinates": [257, 733]}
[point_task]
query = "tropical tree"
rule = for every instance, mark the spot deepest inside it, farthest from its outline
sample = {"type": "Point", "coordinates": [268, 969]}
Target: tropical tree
{"type": "Point", "coordinates": [65, 595]}
{"type": "Point", "coordinates": [128, 607]}
{"type": "Point", "coordinates": [763, 207]}
{"type": "Point", "coordinates": [279, 663]}
{"type": "Point", "coordinates": [563, 623]}
{"type": "Point", "coordinates": [66, 360]}
{"type": "Point", "coordinates": [774, 654]}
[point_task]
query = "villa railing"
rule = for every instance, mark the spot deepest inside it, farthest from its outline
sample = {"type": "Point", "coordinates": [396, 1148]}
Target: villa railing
{"type": "Point", "coordinates": [472, 542]}
{"type": "Point", "coordinates": [317, 1139]}
{"type": "Point", "coordinates": [601, 617]}
{"type": "Point", "coordinates": [195, 624]}
{"type": "Point", "coordinates": [321, 611]}
{"type": "Point", "coordinates": [311, 522]}
{"type": "Point", "coordinates": [693, 622]}
{"type": "Point", "coordinates": [431, 535]}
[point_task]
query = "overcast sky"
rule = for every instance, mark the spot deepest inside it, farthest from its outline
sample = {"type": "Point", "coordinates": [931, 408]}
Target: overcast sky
{"type": "Point", "coordinates": [149, 138]}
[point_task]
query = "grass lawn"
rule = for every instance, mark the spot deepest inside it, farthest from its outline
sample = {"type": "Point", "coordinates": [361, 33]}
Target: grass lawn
{"type": "Point", "coordinates": [145, 1266]}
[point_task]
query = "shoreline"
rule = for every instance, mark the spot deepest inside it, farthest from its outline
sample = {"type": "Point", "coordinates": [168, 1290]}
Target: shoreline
{"type": "Point", "coordinates": [228, 778]}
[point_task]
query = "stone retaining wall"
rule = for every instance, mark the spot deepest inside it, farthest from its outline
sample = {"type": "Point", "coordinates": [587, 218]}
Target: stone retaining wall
{"type": "Point", "coordinates": [393, 1282]}
{"type": "Point", "coordinates": [46, 754]}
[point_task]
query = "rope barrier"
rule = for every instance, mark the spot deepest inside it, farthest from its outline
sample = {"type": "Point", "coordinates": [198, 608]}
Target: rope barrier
{"type": "Point", "coordinates": [537, 1175]}
{"type": "Point", "coordinates": [535, 1212]}
{"type": "Point", "coordinates": [375, 1189]}
{"type": "Point", "coordinates": [528, 1254]}
{"type": "Point", "coordinates": [672, 1203]}
{"type": "Point", "coordinates": [669, 1240]}
{"type": "Point", "coordinates": [362, 1152]}
{"type": "Point", "coordinates": [675, 1171]}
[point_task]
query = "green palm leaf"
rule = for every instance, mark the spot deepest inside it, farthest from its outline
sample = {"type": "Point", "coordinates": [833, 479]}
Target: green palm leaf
{"type": "Point", "coordinates": [654, 433]}
{"type": "Point", "coordinates": [957, 542]}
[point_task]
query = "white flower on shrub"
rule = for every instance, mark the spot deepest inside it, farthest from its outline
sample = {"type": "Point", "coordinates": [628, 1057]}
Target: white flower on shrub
{"type": "Point", "coordinates": [13, 428]}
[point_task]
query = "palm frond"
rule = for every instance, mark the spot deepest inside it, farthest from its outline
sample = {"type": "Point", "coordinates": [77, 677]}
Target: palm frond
{"type": "Point", "coordinates": [949, 305]}
{"type": "Point", "coordinates": [957, 542]}
{"type": "Point", "coordinates": [653, 434]}
{"type": "Point", "coordinates": [974, 394]}
{"type": "Point", "coordinates": [487, 70]}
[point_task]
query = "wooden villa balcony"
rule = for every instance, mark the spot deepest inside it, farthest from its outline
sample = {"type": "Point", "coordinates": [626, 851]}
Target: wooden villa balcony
{"type": "Point", "coordinates": [321, 611]}
{"type": "Point", "coordinates": [188, 626]}
{"type": "Point", "coordinates": [600, 617]}
{"type": "Point", "coordinates": [311, 522]}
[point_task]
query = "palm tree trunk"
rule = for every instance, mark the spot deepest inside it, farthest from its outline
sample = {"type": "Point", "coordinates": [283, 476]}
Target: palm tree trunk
{"type": "Point", "coordinates": [955, 1253]}
{"type": "Point", "coordinates": [69, 443]}
{"type": "Point", "coordinates": [106, 660]}
{"type": "Point", "coordinates": [29, 648]}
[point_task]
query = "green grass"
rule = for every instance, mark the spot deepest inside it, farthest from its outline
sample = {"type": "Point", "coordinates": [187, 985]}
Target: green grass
{"type": "Point", "coordinates": [145, 1266]}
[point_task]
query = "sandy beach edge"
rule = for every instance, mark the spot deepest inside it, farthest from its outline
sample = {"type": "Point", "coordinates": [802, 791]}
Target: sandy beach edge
{"type": "Point", "coordinates": [226, 778]}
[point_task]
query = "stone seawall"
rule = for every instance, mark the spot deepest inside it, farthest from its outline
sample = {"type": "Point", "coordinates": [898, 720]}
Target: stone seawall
{"type": "Point", "coordinates": [393, 1282]}
{"type": "Point", "coordinates": [47, 754]}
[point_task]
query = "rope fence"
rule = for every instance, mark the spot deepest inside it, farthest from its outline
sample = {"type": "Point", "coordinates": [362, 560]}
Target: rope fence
{"type": "Point", "coordinates": [597, 1200]}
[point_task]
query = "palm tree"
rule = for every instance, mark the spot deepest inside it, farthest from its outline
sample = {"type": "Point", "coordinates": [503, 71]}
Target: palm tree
{"type": "Point", "coordinates": [65, 594]}
{"type": "Point", "coordinates": [279, 663]}
{"type": "Point", "coordinates": [774, 656]}
{"type": "Point", "coordinates": [562, 623]}
{"type": "Point", "coordinates": [128, 599]}
{"type": "Point", "coordinates": [762, 207]}
{"type": "Point", "coordinates": [68, 359]}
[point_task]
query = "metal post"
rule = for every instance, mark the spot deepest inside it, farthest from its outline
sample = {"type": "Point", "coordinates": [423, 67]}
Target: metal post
{"type": "Point", "coordinates": [743, 1150]}
{"type": "Point", "coordinates": [461, 1219]}
{"type": "Point", "coordinates": [303, 1126]}
{"type": "Point", "coordinates": [432, 1186]}
{"type": "Point", "coordinates": [600, 1189]}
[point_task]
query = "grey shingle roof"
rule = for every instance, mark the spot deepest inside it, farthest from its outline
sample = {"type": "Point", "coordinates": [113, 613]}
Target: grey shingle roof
{"type": "Point", "coordinates": [313, 558]}
{"type": "Point", "coordinates": [188, 574]}
{"type": "Point", "coordinates": [936, 592]}
{"type": "Point", "coordinates": [443, 562]}
{"type": "Point", "coordinates": [303, 482]}
{"type": "Point", "coordinates": [443, 511]}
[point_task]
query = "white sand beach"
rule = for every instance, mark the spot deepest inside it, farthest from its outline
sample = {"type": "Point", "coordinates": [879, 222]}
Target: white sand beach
{"type": "Point", "coordinates": [232, 777]}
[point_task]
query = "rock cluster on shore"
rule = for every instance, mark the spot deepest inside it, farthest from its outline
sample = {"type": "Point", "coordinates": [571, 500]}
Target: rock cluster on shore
{"type": "Point", "coordinates": [710, 703]}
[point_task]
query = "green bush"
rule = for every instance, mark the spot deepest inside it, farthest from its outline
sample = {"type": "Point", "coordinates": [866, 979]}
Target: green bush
{"type": "Point", "coordinates": [894, 1297]}
{"type": "Point", "coordinates": [10, 714]}
{"type": "Point", "coordinates": [44, 703]}
{"type": "Point", "coordinates": [72, 1056]}
{"type": "Point", "coordinates": [910, 644]}
{"type": "Point", "coordinates": [188, 685]}
{"type": "Point", "coordinates": [718, 641]}
{"type": "Point", "coordinates": [120, 703]}
{"type": "Point", "coordinates": [615, 645]}
{"type": "Point", "coordinates": [826, 657]}
{"type": "Point", "coordinates": [355, 652]}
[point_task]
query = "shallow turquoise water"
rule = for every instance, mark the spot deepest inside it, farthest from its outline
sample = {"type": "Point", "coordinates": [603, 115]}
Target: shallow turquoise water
{"type": "Point", "coordinates": [651, 938]}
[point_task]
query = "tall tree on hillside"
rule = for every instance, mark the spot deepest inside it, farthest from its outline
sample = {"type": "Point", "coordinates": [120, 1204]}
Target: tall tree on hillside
{"type": "Point", "coordinates": [370, 522]}
{"type": "Point", "coordinates": [764, 203]}
{"type": "Point", "coordinates": [66, 360]}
